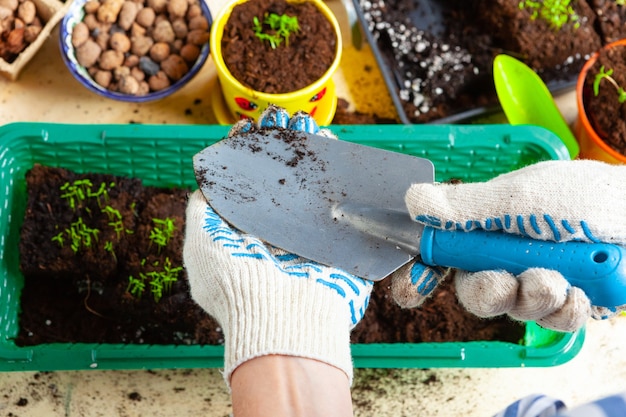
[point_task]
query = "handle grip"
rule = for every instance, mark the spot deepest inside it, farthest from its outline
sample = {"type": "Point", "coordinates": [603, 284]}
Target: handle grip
{"type": "Point", "coordinates": [596, 268]}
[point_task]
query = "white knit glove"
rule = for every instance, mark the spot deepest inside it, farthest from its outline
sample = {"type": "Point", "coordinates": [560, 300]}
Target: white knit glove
{"type": "Point", "coordinates": [553, 200]}
{"type": "Point", "coordinates": [269, 301]}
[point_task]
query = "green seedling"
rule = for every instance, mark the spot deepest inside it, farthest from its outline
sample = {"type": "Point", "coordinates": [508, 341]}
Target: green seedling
{"type": "Point", "coordinates": [80, 235]}
{"type": "Point", "coordinates": [76, 192]}
{"type": "Point", "coordinates": [115, 220]}
{"type": "Point", "coordinates": [108, 246]}
{"type": "Point", "coordinates": [103, 192]}
{"type": "Point", "coordinates": [160, 280]}
{"type": "Point", "coordinates": [136, 287]}
{"type": "Point", "coordinates": [608, 76]}
{"type": "Point", "coordinates": [81, 190]}
{"type": "Point", "coordinates": [161, 277]}
{"type": "Point", "coordinates": [59, 238]}
{"type": "Point", "coordinates": [279, 28]}
{"type": "Point", "coordinates": [556, 12]}
{"type": "Point", "coordinates": [163, 231]}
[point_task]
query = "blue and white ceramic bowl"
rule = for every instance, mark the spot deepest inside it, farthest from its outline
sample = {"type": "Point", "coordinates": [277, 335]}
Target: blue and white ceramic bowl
{"type": "Point", "coordinates": [75, 15]}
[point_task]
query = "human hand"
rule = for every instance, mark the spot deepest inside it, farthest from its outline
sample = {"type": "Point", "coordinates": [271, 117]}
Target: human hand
{"type": "Point", "coordinates": [269, 301]}
{"type": "Point", "coordinates": [554, 201]}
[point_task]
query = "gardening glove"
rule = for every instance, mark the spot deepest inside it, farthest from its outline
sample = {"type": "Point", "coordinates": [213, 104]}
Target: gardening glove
{"type": "Point", "coordinates": [557, 201]}
{"type": "Point", "coordinates": [266, 300]}
{"type": "Point", "coordinates": [536, 405]}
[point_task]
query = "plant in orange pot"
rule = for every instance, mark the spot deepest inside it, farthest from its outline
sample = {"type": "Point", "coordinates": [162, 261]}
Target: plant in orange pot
{"type": "Point", "coordinates": [601, 99]}
{"type": "Point", "coordinates": [281, 52]}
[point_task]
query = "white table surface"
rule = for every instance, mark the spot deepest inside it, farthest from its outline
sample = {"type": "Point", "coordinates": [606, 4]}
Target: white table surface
{"type": "Point", "coordinates": [46, 92]}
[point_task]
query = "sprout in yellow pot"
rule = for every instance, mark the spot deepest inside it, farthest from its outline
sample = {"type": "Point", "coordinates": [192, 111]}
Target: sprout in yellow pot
{"type": "Point", "coordinates": [249, 35]}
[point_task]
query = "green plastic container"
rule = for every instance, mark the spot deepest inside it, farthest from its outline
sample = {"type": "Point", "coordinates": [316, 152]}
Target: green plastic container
{"type": "Point", "coordinates": [161, 155]}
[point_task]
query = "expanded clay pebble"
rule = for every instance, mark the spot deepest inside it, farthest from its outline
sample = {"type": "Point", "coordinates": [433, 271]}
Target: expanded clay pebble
{"type": "Point", "coordinates": [80, 34]}
{"type": "Point", "coordinates": [120, 42]}
{"type": "Point", "coordinates": [139, 46]}
{"type": "Point", "coordinates": [174, 67]}
{"type": "Point", "coordinates": [19, 27]}
{"type": "Point", "coordinates": [88, 53]}
{"type": "Point", "coordinates": [128, 14]}
{"type": "Point", "coordinates": [27, 12]}
{"type": "Point", "coordinates": [163, 32]}
{"type": "Point", "coordinates": [190, 52]}
{"type": "Point", "coordinates": [9, 4]}
{"type": "Point", "coordinates": [160, 51]}
{"type": "Point", "coordinates": [31, 33]}
{"type": "Point", "coordinates": [159, 81]}
{"type": "Point", "coordinates": [111, 60]}
{"type": "Point", "coordinates": [177, 8]}
{"type": "Point", "coordinates": [145, 17]}
{"type": "Point", "coordinates": [109, 10]}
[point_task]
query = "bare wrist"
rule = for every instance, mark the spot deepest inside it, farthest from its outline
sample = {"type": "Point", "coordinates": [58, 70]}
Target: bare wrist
{"type": "Point", "coordinates": [278, 385]}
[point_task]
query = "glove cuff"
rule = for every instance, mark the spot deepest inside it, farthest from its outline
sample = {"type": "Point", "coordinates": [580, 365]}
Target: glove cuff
{"type": "Point", "coordinates": [294, 317]}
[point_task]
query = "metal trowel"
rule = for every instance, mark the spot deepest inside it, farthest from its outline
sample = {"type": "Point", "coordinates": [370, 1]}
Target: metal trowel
{"type": "Point", "coordinates": [342, 204]}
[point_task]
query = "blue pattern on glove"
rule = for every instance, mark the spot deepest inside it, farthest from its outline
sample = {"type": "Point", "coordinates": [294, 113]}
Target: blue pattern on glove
{"type": "Point", "coordinates": [424, 279]}
{"type": "Point", "coordinates": [523, 223]}
{"type": "Point", "coordinates": [303, 122]}
{"type": "Point", "coordinates": [345, 285]}
{"type": "Point", "coordinates": [274, 117]}
{"type": "Point", "coordinates": [555, 231]}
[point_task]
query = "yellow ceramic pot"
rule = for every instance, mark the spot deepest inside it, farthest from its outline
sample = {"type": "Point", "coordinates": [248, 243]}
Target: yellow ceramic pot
{"type": "Point", "coordinates": [592, 146]}
{"type": "Point", "coordinates": [238, 101]}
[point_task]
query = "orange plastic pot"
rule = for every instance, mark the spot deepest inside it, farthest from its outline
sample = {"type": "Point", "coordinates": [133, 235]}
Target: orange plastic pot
{"type": "Point", "coordinates": [592, 146]}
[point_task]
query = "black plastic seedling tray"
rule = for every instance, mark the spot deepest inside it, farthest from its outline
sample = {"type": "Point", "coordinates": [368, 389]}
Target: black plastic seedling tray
{"type": "Point", "coordinates": [432, 17]}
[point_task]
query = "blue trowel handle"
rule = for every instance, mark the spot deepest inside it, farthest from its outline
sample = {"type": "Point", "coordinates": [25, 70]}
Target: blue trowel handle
{"type": "Point", "coordinates": [596, 268]}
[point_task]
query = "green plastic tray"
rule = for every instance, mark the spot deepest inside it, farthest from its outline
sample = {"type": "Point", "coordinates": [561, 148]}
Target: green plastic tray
{"type": "Point", "coordinates": [162, 155]}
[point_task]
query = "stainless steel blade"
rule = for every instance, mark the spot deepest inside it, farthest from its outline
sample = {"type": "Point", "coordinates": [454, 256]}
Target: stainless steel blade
{"type": "Point", "coordinates": [331, 201]}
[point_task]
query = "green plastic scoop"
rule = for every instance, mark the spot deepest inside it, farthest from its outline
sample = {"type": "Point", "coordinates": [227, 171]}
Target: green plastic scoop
{"type": "Point", "coordinates": [525, 99]}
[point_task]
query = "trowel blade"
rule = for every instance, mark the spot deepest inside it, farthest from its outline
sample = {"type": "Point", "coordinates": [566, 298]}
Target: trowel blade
{"type": "Point", "coordinates": [331, 201]}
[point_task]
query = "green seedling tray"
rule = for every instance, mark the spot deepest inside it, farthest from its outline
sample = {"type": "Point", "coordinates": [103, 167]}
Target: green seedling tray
{"type": "Point", "coordinates": [161, 155]}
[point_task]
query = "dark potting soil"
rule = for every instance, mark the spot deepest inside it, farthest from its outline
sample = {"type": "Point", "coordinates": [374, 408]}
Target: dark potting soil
{"type": "Point", "coordinates": [604, 111]}
{"type": "Point", "coordinates": [441, 52]}
{"type": "Point", "coordinates": [440, 319]}
{"type": "Point", "coordinates": [289, 66]}
{"type": "Point", "coordinates": [84, 294]}
{"type": "Point", "coordinates": [611, 18]}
